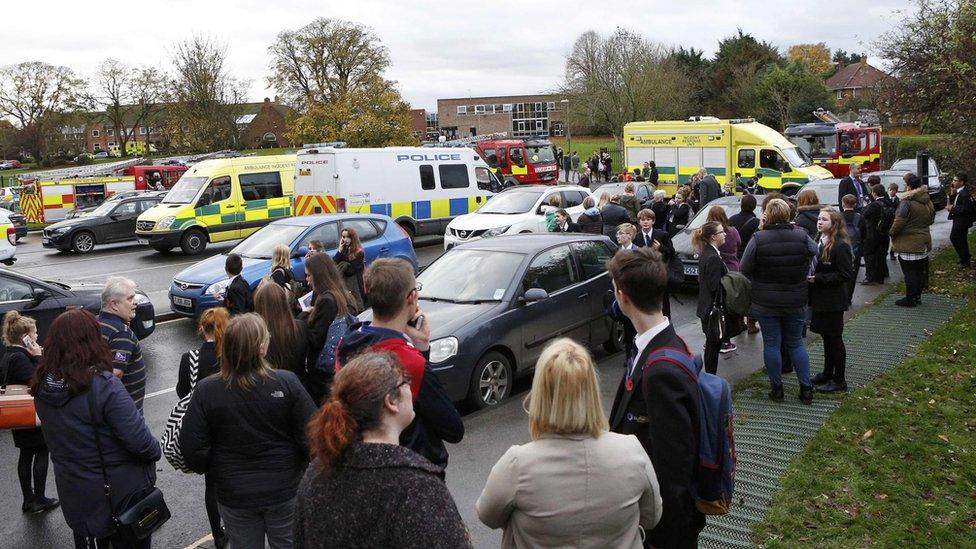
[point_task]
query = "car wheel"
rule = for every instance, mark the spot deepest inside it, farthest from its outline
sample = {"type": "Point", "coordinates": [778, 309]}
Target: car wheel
{"type": "Point", "coordinates": [616, 341]}
{"type": "Point", "coordinates": [491, 381]}
{"type": "Point", "coordinates": [408, 231]}
{"type": "Point", "coordinates": [193, 242]}
{"type": "Point", "coordinates": [83, 242]}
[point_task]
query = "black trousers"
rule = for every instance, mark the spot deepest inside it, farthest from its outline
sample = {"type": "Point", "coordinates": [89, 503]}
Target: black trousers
{"type": "Point", "coordinates": [710, 357]}
{"type": "Point", "coordinates": [915, 274]}
{"type": "Point", "coordinates": [875, 266]}
{"type": "Point", "coordinates": [831, 328]}
{"type": "Point", "coordinates": [112, 542]}
{"type": "Point", "coordinates": [853, 282]}
{"type": "Point", "coordinates": [959, 236]}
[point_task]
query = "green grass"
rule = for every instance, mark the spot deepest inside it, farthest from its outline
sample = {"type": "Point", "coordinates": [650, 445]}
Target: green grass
{"type": "Point", "coordinates": [585, 145]}
{"type": "Point", "coordinates": [895, 465]}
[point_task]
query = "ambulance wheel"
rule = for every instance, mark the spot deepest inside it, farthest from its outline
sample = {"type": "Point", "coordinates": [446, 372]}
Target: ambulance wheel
{"type": "Point", "coordinates": [491, 381]}
{"type": "Point", "coordinates": [193, 242]}
{"type": "Point", "coordinates": [83, 242]}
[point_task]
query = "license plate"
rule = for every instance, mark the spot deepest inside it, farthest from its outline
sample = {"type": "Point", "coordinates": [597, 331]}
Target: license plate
{"type": "Point", "coordinates": [45, 240]}
{"type": "Point", "coordinates": [691, 270]}
{"type": "Point", "coordinates": [182, 301]}
{"type": "Point", "coordinates": [142, 241]}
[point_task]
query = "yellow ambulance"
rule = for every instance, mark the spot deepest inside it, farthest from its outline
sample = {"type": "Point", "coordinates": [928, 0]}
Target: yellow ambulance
{"type": "Point", "coordinates": [218, 200]}
{"type": "Point", "coordinates": [735, 151]}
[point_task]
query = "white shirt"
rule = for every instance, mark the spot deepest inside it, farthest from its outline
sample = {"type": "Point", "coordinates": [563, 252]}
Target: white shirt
{"type": "Point", "coordinates": [643, 339]}
{"type": "Point", "coordinates": [629, 246]}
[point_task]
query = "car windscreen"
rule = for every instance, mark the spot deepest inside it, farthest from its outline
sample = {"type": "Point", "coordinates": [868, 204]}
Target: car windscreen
{"type": "Point", "coordinates": [702, 217]}
{"type": "Point", "coordinates": [796, 157]}
{"type": "Point", "coordinates": [511, 202]}
{"type": "Point", "coordinates": [185, 191]}
{"type": "Point", "coordinates": [911, 165]}
{"type": "Point", "coordinates": [469, 276]}
{"type": "Point", "coordinates": [101, 210]}
{"type": "Point", "coordinates": [541, 154]}
{"type": "Point", "coordinates": [260, 244]}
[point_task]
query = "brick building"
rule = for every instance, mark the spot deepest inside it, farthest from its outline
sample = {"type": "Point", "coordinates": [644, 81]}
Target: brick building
{"type": "Point", "coordinates": [418, 123]}
{"type": "Point", "coordinates": [264, 124]}
{"type": "Point", "coordinates": [517, 115]}
{"type": "Point", "coordinates": [854, 81]}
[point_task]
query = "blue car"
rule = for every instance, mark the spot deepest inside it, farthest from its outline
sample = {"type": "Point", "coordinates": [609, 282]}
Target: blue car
{"type": "Point", "coordinates": [193, 288]}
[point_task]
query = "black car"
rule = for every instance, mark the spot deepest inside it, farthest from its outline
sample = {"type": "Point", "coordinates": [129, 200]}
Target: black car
{"type": "Point", "coordinates": [79, 212]}
{"type": "Point", "coordinates": [494, 304]}
{"type": "Point", "coordinates": [682, 240]}
{"type": "Point", "coordinates": [113, 221]}
{"type": "Point", "coordinates": [937, 190]}
{"type": "Point", "coordinates": [45, 300]}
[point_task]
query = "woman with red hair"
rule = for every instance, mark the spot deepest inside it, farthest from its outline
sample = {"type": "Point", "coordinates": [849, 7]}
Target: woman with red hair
{"type": "Point", "coordinates": [75, 376]}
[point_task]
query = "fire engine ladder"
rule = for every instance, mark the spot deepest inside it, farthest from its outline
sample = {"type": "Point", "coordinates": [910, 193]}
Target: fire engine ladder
{"type": "Point", "coordinates": [465, 141]}
{"type": "Point", "coordinates": [827, 116]}
{"type": "Point", "coordinates": [80, 172]}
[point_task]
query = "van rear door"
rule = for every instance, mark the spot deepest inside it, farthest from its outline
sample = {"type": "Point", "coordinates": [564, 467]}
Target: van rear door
{"type": "Point", "coordinates": [316, 187]}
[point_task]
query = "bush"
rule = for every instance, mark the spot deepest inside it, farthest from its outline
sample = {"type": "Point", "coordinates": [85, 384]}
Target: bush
{"type": "Point", "coordinates": [951, 152]}
{"type": "Point", "coordinates": [83, 160]}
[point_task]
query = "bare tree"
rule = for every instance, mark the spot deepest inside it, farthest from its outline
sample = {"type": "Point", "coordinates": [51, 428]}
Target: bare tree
{"type": "Point", "coordinates": [615, 80]}
{"type": "Point", "coordinates": [131, 97]}
{"type": "Point", "coordinates": [206, 98]}
{"type": "Point", "coordinates": [325, 60]}
{"type": "Point", "coordinates": [34, 95]}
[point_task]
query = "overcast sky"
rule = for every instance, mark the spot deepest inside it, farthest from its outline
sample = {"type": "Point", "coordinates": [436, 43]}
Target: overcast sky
{"type": "Point", "coordinates": [438, 49]}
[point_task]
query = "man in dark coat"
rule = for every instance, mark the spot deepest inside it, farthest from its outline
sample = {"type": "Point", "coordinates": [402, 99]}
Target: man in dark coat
{"type": "Point", "coordinates": [613, 215]}
{"type": "Point", "coordinates": [852, 184]}
{"type": "Point", "coordinates": [962, 213]}
{"type": "Point", "coordinates": [658, 402]}
{"type": "Point", "coordinates": [875, 238]}
{"type": "Point", "coordinates": [238, 298]}
{"type": "Point", "coordinates": [708, 188]}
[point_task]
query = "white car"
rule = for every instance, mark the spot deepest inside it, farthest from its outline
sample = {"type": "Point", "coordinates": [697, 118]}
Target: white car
{"type": "Point", "coordinates": [8, 239]}
{"type": "Point", "coordinates": [515, 210]}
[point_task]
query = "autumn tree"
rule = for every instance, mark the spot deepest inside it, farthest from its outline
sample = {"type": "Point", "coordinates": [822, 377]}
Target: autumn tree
{"type": "Point", "coordinates": [325, 60]}
{"type": "Point", "coordinates": [613, 80]}
{"type": "Point", "coordinates": [129, 97]}
{"type": "Point", "coordinates": [816, 56]}
{"type": "Point", "coordinates": [206, 98]}
{"type": "Point", "coordinates": [35, 95]}
{"type": "Point", "coordinates": [790, 94]}
{"type": "Point", "coordinates": [373, 116]}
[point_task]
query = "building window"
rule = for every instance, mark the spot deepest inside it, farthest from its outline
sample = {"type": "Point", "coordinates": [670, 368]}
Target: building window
{"type": "Point", "coordinates": [462, 109]}
{"type": "Point", "coordinates": [142, 130]}
{"type": "Point", "coordinates": [98, 146]}
{"type": "Point", "coordinates": [95, 133]}
{"type": "Point", "coordinates": [110, 133]}
{"type": "Point", "coordinates": [499, 109]}
{"type": "Point", "coordinates": [111, 144]}
{"type": "Point", "coordinates": [551, 105]}
{"type": "Point", "coordinates": [507, 107]}
{"type": "Point", "coordinates": [479, 109]}
{"type": "Point", "coordinates": [840, 94]}
{"type": "Point", "coordinates": [538, 107]}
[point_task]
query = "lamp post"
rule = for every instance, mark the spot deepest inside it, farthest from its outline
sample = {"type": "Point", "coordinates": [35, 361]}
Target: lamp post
{"type": "Point", "coordinates": [569, 137]}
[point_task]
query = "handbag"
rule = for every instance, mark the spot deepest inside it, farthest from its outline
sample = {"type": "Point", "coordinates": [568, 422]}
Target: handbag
{"type": "Point", "coordinates": [16, 403]}
{"type": "Point", "coordinates": [143, 511]}
{"type": "Point", "coordinates": [170, 441]}
{"type": "Point", "coordinates": [715, 319]}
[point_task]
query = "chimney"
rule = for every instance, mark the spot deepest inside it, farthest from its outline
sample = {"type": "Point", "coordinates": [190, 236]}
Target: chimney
{"type": "Point", "coordinates": [267, 100]}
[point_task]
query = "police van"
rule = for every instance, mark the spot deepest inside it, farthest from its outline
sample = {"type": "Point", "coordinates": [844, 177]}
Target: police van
{"type": "Point", "coordinates": [421, 188]}
{"type": "Point", "coordinates": [742, 152]}
{"type": "Point", "coordinates": [218, 200]}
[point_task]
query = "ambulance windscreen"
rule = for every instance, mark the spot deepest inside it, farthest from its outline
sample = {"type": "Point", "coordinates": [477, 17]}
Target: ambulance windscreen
{"type": "Point", "coordinates": [185, 191]}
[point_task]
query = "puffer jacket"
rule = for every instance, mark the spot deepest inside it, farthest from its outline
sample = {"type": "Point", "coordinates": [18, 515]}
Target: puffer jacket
{"type": "Point", "coordinates": [806, 217]}
{"type": "Point", "coordinates": [777, 262]}
{"type": "Point", "coordinates": [251, 441]}
{"type": "Point", "coordinates": [128, 448]}
{"type": "Point", "coordinates": [910, 231]}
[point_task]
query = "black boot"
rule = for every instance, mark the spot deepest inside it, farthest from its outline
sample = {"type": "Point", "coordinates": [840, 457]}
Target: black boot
{"type": "Point", "coordinates": [776, 393]}
{"type": "Point", "coordinates": [820, 379]}
{"type": "Point", "coordinates": [832, 387]}
{"type": "Point", "coordinates": [806, 394]}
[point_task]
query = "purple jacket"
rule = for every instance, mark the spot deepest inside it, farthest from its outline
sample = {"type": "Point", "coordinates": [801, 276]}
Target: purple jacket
{"type": "Point", "coordinates": [730, 250]}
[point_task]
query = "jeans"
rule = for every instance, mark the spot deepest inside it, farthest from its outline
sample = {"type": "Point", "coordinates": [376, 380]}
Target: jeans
{"type": "Point", "coordinates": [247, 528]}
{"type": "Point", "coordinates": [915, 272]}
{"type": "Point", "coordinates": [789, 330]}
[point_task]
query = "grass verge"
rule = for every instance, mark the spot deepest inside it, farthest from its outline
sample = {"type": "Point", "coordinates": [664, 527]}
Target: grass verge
{"type": "Point", "coordinates": [895, 465]}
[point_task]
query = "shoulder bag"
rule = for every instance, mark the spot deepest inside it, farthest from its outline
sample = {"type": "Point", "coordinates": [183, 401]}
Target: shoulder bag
{"type": "Point", "coordinates": [16, 403]}
{"type": "Point", "coordinates": [170, 441]}
{"type": "Point", "coordinates": [143, 511]}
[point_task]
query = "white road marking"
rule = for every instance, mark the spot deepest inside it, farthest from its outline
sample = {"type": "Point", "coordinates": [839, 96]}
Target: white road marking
{"type": "Point", "coordinates": [157, 393]}
{"type": "Point", "coordinates": [140, 269]}
{"type": "Point", "coordinates": [199, 542]}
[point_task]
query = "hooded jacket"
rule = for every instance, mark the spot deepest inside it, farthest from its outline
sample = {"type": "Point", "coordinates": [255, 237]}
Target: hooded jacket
{"type": "Point", "coordinates": [436, 418]}
{"type": "Point", "coordinates": [590, 221]}
{"type": "Point", "coordinates": [806, 217]}
{"type": "Point", "coordinates": [910, 231]}
{"type": "Point", "coordinates": [129, 449]}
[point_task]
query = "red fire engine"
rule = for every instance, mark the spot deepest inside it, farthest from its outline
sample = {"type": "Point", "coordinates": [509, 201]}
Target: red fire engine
{"type": "Point", "coordinates": [526, 161]}
{"type": "Point", "coordinates": [835, 144]}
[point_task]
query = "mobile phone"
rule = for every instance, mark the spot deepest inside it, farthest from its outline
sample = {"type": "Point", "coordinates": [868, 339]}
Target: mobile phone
{"type": "Point", "coordinates": [416, 322]}
{"type": "Point", "coordinates": [28, 342]}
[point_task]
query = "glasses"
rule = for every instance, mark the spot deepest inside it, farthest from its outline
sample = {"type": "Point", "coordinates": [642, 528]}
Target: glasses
{"type": "Point", "coordinates": [417, 289]}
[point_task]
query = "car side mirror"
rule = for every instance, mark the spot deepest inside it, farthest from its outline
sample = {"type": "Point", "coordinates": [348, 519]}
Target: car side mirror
{"type": "Point", "coordinates": [40, 294]}
{"type": "Point", "coordinates": [535, 294]}
{"type": "Point", "coordinates": [114, 217]}
{"type": "Point", "coordinates": [300, 252]}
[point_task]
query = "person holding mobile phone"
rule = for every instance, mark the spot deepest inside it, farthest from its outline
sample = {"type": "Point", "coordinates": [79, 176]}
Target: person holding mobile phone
{"type": "Point", "coordinates": [20, 364]}
{"type": "Point", "coordinates": [400, 326]}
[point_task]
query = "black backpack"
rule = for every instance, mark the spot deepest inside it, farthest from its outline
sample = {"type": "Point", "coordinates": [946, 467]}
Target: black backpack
{"type": "Point", "coordinates": [854, 233]}
{"type": "Point", "coordinates": [887, 218]}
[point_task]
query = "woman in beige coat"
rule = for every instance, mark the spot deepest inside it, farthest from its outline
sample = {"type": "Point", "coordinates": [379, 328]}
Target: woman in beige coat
{"type": "Point", "coordinates": [576, 484]}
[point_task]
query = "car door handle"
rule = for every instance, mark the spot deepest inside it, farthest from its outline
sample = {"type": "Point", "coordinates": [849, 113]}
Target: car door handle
{"type": "Point", "coordinates": [583, 295]}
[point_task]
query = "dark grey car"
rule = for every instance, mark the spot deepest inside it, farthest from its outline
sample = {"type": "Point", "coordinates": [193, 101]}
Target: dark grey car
{"type": "Point", "coordinates": [494, 304]}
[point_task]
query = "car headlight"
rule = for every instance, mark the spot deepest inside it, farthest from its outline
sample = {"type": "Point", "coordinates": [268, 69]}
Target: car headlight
{"type": "Point", "coordinates": [496, 231]}
{"type": "Point", "coordinates": [141, 299]}
{"type": "Point", "coordinates": [217, 287]}
{"type": "Point", "coordinates": [61, 230]}
{"type": "Point", "coordinates": [443, 349]}
{"type": "Point", "coordinates": [165, 222]}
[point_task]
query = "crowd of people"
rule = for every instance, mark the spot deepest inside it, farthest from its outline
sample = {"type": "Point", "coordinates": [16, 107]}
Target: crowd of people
{"type": "Point", "coordinates": [313, 429]}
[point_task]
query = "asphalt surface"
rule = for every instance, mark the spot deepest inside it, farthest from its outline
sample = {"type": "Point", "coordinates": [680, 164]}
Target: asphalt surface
{"type": "Point", "coordinates": [488, 434]}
